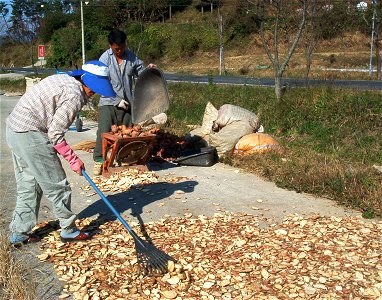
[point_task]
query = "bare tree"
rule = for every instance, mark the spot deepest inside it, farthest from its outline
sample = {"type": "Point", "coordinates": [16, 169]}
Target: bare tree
{"type": "Point", "coordinates": [313, 35]}
{"type": "Point", "coordinates": [4, 26]}
{"type": "Point", "coordinates": [325, 19]}
{"type": "Point", "coordinates": [276, 19]}
{"type": "Point", "coordinates": [26, 19]}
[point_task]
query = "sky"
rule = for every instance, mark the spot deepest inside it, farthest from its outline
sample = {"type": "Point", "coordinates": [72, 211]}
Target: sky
{"type": "Point", "coordinates": [8, 6]}
{"type": "Point", "coordinates": [6, 2]}
{"type": "Point", "coordinates": [3, 29]}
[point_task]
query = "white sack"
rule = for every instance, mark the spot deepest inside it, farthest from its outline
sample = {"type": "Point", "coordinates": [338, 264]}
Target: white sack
{"type": "Point", "coordinates": [226, 139]}
{"type": "Point", "coordinates": [229, 113]}
{"type": "Point", "coordinates": [210, 115]}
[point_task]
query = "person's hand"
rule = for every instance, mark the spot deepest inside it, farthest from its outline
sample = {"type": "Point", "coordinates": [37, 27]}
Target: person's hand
{"type": "Point", "coordinates": [123, 104]}
{"type": "Point", "coordinates": [75, 163]}
{"type": "Point", "coordinates": [151, 66]}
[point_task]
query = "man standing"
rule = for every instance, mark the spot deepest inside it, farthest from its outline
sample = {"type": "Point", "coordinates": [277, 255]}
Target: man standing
{"type": "Point", "coordinates": [124, 65]}
{"type": "Point", "coordinates": [35, 132]}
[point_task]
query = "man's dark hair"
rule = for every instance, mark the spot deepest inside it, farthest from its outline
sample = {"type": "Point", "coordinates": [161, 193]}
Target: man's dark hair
{"type": "Point", "coordinates": [78, 78]}
{"type": "Point", "coordinates": [117, 36]}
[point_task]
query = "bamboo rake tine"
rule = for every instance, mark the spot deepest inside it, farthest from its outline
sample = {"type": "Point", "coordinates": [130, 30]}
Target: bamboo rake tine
{"type": "Point", "coordinates": [151, 259]}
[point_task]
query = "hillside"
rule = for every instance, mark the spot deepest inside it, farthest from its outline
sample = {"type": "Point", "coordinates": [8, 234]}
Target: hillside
{"type": "Point", "coordinates": [189, 41]}
{"type": "Point", "coordinates": [352, 51]}
{"type": "Point", "coordinates": [349, 52]}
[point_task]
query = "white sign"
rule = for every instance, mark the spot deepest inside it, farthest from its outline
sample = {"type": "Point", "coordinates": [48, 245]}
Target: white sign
{"type": "Point", "coordinates": [362, 6]}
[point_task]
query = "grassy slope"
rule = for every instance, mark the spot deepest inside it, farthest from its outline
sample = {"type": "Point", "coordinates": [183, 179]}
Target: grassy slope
{"type": "Point", "coordinates": [245, 55]}
{"type": "Point", "coordinates": [331, 138]}
{"type": "Point", "coordinates": [248, 60]}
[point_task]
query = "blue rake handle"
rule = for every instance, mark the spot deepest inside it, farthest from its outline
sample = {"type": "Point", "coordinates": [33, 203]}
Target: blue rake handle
{"type": "Point", "coordinates": [147, 254]}
{"type": "Point", "coordinates": [115, 212]}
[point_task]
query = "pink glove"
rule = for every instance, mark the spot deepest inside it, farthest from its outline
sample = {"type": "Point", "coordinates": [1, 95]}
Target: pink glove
{"type": "Point", "coordinates": [75, 163]}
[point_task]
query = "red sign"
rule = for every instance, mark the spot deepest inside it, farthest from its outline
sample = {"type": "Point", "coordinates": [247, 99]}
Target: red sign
{"type": "Point", "coordinates": [41, 51]}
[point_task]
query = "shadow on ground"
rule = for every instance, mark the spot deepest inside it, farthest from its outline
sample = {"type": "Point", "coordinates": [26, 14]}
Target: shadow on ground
{"type": "Point", "coordinates": [157, 164]}
{"type": "Point", "coordinates": [135, 199]}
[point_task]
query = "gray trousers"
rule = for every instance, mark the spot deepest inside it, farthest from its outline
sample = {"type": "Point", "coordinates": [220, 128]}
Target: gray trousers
{"type": "Point", "coordinates": [38, 171]}
{"type": "Point", "coordinates": [109, 115]}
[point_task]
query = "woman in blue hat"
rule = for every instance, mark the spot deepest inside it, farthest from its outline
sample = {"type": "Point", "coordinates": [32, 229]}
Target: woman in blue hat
{"type": "Point", "coordinates": [35, 132]}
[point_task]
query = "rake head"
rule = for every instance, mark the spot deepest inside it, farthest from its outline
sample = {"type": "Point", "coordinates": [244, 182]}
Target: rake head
{"type": "Point", "coordinates": [151, 260]}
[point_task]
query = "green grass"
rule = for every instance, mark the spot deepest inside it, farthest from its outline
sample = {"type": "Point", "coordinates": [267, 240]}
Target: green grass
{"type": "Point", "coordinates": [341, 123]}
{"type": "Point", "coordinates": [331, 137]}
{"type": "Point", "coordinates": [17, 85]}
{"type": "Point", "coordinates": [12, 86]}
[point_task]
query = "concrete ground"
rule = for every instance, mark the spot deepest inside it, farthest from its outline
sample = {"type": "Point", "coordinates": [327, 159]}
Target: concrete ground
{"type": "Point", "coordinates": [207, 190]}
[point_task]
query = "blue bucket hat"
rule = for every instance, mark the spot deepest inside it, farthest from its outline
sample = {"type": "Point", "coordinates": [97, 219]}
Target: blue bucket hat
{"type": "Point", "coordinates": [95, 75]}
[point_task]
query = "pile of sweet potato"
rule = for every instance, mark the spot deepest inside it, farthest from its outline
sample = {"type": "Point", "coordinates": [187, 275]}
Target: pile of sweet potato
{"type": "Point", "coordinates": [136, 130]}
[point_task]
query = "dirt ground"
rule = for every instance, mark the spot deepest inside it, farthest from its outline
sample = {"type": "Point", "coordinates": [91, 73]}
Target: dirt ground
{"type": "Point", "coordinates": [203, 190]}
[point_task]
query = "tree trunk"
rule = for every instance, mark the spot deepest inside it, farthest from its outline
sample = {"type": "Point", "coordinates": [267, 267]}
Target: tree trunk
{"type": "Point", "coordinates": [308, 55]}
{"type": "Point", "coordinates": [308, 67]}
{"type": "Point", "coordinates": [280, 67]}
{"type": "Point", "coordinates": [278, 87]}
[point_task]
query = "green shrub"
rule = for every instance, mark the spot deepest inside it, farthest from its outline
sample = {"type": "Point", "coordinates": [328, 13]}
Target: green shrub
{"type": "Point", "coordinates": [17, 55]}
{"type": "Point", "coordinates": [332, 59]}
{"type": "Point", "coordinates": [189, 45]}
{"type": "Point", "coordinates": [66, 47]}
{"type": "Point", "coordinates": [184, 41]}
{"type": "Point", "coordinates": [209, 38]}
{"type": "Point", "coordinates": [13, 86]}
{"type": "Point", "coordinates": [242, 23]}
{"type": "Point", "coordinates": [52, 22]}
{"type": "Point", "coordinates": [97, 44]}
{"type": "Point", "coordinates": [155, 36]}
{"type": "Point", "coordinates": [133, 29]}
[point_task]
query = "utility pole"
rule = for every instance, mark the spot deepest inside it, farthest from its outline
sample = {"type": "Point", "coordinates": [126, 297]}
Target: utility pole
{"type": "Point", "coordinates": [82, 33]}
{"type": "Point", "coordinates": [221, 43]}
{"type": "Point", "coordinates": [372, 38]}
{"type": "Point", "coordinates": [378, 40]}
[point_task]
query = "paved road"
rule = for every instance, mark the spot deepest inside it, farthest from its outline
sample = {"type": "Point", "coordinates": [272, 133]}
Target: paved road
{"type": "Point", "coordinates": [207, 190]}
{"type": "Point", "coordinates": [243, 80]}
{"type": "Point", "coordinates": [269, 82]}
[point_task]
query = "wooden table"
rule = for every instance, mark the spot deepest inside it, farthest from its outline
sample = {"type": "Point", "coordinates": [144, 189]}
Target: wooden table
{"type": "Point", "coordinates": [113, 142]}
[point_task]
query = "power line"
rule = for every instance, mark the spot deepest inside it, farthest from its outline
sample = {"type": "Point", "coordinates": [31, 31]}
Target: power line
{"type": "Point", "coordinates": [224, 4]}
